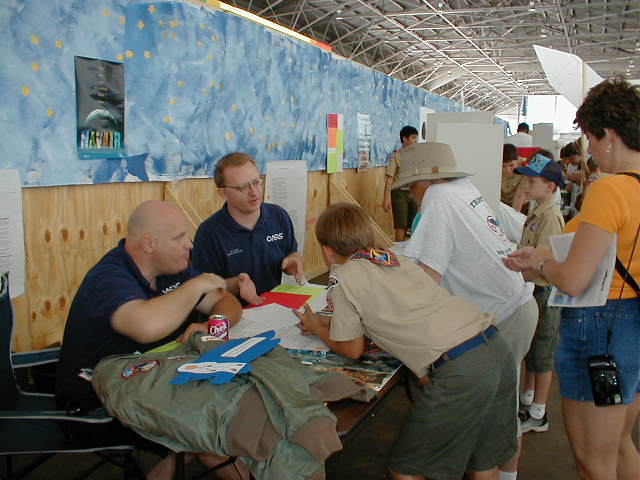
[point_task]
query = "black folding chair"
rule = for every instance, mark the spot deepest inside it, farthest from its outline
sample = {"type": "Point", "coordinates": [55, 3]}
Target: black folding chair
{"type": "Point", "coordinates": [32, 423]}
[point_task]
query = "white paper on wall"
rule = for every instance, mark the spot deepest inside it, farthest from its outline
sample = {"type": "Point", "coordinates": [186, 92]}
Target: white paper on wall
{"type": "Point", "coordinates": [11, 231]}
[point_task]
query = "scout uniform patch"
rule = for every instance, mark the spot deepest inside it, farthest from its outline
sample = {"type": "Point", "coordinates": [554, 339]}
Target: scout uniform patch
{"type": "Point", "coordinates": [333, 282]}
{"type": "Point", "coordinates": [139, 368]}
{"type": "Point", "coordinates": [379, 257]}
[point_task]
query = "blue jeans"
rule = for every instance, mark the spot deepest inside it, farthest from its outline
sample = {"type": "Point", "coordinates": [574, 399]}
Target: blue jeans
{"type": "Point", "coordinates": [583, 333]}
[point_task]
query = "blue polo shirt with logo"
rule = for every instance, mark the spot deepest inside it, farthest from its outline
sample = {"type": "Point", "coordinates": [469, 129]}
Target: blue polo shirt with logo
{"type": "Point", "coordinates": [226, 248]}
{"type": "Point", "coordinates": [88, 336]}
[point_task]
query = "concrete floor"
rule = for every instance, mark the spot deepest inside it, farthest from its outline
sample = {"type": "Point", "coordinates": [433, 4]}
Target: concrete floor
{"type": "Point", "coordinates": [545, 455]}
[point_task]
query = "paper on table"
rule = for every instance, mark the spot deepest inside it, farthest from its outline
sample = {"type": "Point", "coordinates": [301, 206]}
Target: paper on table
{"type": "Point", "coordinates": [313, 290]}
{"type": "Point", "coordinates": [289, 300]}
{"type": "Point", "coordinates": [598, 290]}
{"type": "Point", "coordinates": [278, 318]}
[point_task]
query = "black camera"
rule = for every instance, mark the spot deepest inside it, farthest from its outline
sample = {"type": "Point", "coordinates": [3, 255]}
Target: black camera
{"type": "Point", "coordinates": [605, 384]}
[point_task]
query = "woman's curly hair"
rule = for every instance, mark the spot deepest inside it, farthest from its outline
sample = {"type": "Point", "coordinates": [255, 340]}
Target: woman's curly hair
{"type": "Point", "coordinates": [614, 104]}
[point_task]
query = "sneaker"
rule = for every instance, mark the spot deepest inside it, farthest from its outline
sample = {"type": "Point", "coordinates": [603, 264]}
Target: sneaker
{"type": "Point", "coordinates": [523, 410]}
{"type": "Point", "coordinates": [533, 424]}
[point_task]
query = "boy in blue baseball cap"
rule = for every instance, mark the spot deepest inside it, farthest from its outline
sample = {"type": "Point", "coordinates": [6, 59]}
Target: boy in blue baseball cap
{"type": "Point", "coordinates": [543, 177]}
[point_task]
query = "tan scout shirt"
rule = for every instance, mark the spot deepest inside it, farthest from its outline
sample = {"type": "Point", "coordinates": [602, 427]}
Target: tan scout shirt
{"type": "Point", "coordinates": [402, 310]}
{"type": "Point", "coordinates": [545, 220]}
{"type": "Point", "coordinates": [393, 170]}
{"type": "Point", "coordinates": [508, 188]}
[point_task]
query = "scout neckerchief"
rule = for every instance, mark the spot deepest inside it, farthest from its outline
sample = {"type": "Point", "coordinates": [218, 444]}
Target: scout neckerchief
{"type": "Point", "coordinates": [378, 256]}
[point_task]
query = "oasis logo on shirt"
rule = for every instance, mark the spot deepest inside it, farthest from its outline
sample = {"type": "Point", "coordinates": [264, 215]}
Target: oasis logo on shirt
{"type": "Point", "coordinates": [275, 236]}
{"type": "Point", "coordinates": [170, 288]}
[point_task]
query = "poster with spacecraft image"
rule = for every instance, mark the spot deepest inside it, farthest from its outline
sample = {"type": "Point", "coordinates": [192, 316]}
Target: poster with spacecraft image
{"type": "Point", "coordinates": [100, 108]}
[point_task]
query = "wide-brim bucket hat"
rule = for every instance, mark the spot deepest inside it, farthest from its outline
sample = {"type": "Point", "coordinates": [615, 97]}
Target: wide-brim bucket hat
{"type": "Point", "coordinates": [426, 161]}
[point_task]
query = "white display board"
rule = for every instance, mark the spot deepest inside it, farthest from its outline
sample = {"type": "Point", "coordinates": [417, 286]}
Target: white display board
{"type": "Point", "coordinates": [543, 136]}
{"type": "Point", "coordinates": [478, 150]}
{"type": "Point", "coordinates": [11, 231]}
{"type": "Point", "coordinates": [435, 119]}
{"type": "Point", "coordinates": [422, 127]}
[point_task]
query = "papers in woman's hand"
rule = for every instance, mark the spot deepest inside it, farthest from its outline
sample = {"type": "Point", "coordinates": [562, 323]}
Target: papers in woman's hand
{"type": "Point", "coordinates": [597, 292]}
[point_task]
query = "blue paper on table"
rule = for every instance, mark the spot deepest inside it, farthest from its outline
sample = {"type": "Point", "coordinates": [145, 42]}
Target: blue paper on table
{"type": "Point", "coordinates": [223, 363]}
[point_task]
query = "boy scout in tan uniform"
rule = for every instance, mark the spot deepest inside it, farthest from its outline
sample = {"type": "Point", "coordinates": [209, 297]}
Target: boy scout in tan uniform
{"type": "Point", "coordinates": [465, 407]}
{"type": "Point", "coordinates": [542, 177]}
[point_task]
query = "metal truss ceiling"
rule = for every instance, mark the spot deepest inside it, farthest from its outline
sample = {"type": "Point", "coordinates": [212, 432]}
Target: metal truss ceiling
{"type": "Point", "coordinates": [477, 51]}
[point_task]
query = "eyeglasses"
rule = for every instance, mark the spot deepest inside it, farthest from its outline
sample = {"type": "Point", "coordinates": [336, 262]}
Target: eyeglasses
{"type": "Point", "coordinates": [246, 188]}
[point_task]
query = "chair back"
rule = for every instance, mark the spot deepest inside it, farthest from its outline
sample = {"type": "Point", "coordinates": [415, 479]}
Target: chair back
{"type": "Point", "coordinates": [8, 384]}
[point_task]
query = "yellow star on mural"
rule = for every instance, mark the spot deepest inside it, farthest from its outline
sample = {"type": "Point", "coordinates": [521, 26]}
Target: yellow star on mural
{"type": "Point", "coordinates": [161, 22]}
{"type": "Point", "coordinates": [35, 39]}
{"type": "Point", "coordinates": [175, 23]}
{"type": "Point", "coordinates": [119, 57]}
{"type": "Point", "coordinates": [152, 9]}
{"type": "Point", "coordinates": [181, 83]}
{"type": "Point", "coordinates": [166, 119]}
{"type": "Point", "coordinates": [205, 91]}
{"type": "Point", "coordinates": [200, 43]}
{"type": "Point", "coordinates": [128, 53]}
{"type": "Point", "coordinates": [50, 113]}
{"type": "Point", "coordinates": [172, 35]}
{"type": "Point", "coordinates": [140, 25]}
{"type": "Point", "coordinates": [214, 38]}
{"type": "Point", "coordinates": [122, 20]}
{"type": "Point", "coordinates": [147, 54]}
{"type": "Point", "coordinates": [173, 101]}
{"type": "Point", "coordinates": [202, 27]}
{"type": "Point", "coordinates": [219, 85]}
{"type": "Point", "coordinates": [252, 130]}
{"type": "Point", "coordinates": [212, 84]}
{"type": "Point", "coordinates": [210, 57]}
{"type": "Point", "coordinates": [34, 66]}
{"type": "Point", "coordinates": [26, 90]}
{"type": "Point", "coordinates": [106, 12]}
{"type": "Point", "coordinates": [228, 135]}
{"type": "Point", "coordinates": [234, 107]}
{"type": "Point", "coordinates": [59, 44]}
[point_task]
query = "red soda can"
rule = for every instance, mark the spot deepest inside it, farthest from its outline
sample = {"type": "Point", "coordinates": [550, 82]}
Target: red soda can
{"type": "Point", "coordinates": [219, 327]}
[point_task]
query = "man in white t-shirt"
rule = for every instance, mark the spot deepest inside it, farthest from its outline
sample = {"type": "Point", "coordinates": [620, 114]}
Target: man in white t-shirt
{"type": "Point", "coordinates": [521, 139]}
{"type": "Point", "coordinates": [459, 243]}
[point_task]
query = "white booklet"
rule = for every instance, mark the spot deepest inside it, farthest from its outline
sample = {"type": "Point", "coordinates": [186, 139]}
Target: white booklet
{"type": "Point", "coordinates": [596, 293]}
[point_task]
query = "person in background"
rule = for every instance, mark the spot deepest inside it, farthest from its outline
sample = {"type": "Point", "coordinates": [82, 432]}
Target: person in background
{"type": "Point", "coordinates": [459, 243]}
{"type": "Point", "coordinates": [404, 207]}
{"type": "Point", "coordinates": [464, 416]}
{"type": "Point", "coordinates": [510, 194]}
{"type": "Point", "coordinates": [600, 436]}
{"type": "Point", "coordinates": [543, 177]}
{"type": "Point", "coordinates": [594, 172]}
{"type": "Point", "coordinates": [521, 138]}
{"type": "Point", "coordinates": [576, 174]}
{"type": "Point", "coordinates": [247, 242]}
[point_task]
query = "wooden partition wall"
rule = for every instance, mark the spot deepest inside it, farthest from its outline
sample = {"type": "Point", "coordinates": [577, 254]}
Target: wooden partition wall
{"type": "Point", "coordinates": [67, 229]}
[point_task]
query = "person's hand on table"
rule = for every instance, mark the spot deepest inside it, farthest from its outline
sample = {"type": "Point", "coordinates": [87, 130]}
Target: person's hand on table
{"type": "Point", "coordinates": [194, 327]}
{"type": "Point", "coordinates": [248, 290]}
{"type": "Point", "coordinates": [311, 322]}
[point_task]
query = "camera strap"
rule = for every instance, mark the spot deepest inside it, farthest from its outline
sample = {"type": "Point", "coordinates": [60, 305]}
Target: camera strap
{"type": "Point", "coordinates": [624, 272]}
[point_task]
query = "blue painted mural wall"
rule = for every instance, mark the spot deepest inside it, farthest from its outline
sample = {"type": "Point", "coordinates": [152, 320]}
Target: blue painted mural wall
{"type": "Point", "coordinates": [199, 84]}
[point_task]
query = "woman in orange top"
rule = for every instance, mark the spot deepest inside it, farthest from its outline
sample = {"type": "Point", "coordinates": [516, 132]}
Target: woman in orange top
{"type": "Point", "coordinates": [601, 437]}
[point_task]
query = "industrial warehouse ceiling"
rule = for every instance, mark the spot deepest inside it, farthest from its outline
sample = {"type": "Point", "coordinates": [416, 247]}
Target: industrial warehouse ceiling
{"type": "Point", "coordinates": [477, 51]}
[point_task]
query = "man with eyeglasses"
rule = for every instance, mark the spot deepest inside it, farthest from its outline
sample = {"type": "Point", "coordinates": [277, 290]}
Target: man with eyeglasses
{"type": "Point", "coordinates": [248, 242]}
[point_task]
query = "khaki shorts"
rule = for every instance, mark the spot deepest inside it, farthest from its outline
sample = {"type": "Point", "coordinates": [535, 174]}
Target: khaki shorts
{"type": "Point", "coordinates": [404, 209]}
{"type": "Point", "coordinates": [464, 418]}
{"type": "Point", "coordinates": [540, 356]}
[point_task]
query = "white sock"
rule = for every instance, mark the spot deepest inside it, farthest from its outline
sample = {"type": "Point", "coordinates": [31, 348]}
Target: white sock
{"type": "Point", "coordinates": [507, 475]}
{"type": "Point", "coordinates": [537, 410]}
{"type": "Point", "coordinates": [526, 397]}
